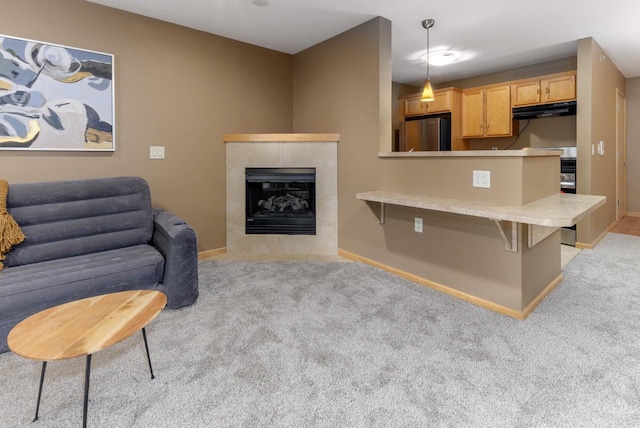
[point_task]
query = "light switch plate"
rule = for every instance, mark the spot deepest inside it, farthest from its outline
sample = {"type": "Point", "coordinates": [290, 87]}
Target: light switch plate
{"type": "Point", "coordinates": [156, 152]}
{"type": "Point", "coordinates": [482, 179]}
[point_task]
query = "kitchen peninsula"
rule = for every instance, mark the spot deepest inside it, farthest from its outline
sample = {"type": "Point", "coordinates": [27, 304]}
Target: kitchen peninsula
{"type": "Point", "coordinates": [521, 208]}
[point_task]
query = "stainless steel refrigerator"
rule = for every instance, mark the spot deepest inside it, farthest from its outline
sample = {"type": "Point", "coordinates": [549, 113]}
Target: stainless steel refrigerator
{"type": "Point", "coordinates": [425, 134]}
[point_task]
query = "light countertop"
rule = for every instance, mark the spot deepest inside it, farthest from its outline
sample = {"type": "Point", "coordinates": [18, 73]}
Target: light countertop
{"type": "Point", "coordinates": [472, 153]}
{"type": "Point", "coordinates": [280, 138]}
{"type": "Point", "coordinates": [558, 210]}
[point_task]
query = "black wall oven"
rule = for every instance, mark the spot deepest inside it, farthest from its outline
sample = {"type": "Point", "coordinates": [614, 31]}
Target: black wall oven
{"type": "Point", "coordinates": [568, 174]}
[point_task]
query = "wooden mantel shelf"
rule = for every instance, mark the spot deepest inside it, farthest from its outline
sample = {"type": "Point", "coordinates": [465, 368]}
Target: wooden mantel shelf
{"type": "Point", "coordinates": [280, 138]}
{"type": "Point", "coordinates": [543, 216]}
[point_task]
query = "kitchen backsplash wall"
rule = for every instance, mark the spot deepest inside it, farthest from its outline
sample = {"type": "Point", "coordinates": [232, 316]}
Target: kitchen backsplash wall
{"type": "Point", "coordinates": [546, 132]}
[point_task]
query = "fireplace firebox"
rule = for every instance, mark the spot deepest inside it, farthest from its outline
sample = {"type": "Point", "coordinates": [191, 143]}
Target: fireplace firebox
{"type": "Point", "coordinates": [280, 201]}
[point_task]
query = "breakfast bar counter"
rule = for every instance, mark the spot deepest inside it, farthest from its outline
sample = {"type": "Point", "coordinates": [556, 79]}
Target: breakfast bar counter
{"type": "Point", "coordinates": [481, 225]}
{"type": "Point", "coordinates": [542, 217]}
{"type": "Point", "coordinates": [559, 210]}
{"type": "Point", "coordinates": [527, 152]}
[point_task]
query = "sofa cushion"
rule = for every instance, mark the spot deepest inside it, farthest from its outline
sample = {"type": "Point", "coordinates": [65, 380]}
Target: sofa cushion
{"type": "Point", "coordinates": [25, 290]}
{"type": "Point", "coordinates": [72, 218]}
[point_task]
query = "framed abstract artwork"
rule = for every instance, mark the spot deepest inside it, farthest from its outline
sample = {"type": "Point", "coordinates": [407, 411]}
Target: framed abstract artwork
{"type": "Point", "coordinates": [55, 97]}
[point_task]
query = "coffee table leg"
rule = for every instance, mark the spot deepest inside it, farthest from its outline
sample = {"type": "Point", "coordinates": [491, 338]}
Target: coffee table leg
{"type": "Point", "coordinates": [44, 368]}
{"type": "Point", "coordinates": [146, 346]}
{"type": "Point", "coordinates": [87, 375]}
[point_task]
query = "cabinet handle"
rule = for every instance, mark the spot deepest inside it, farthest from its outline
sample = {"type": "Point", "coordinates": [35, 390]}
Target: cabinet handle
{"type": "Point", "coordinates": [538, 90]}
{"type": "Point", "coordinates": [488, 125]}
{"type": "Point", "coordinates": [481, 126]}
{"type": "Point", "coordinates": [547, 92]}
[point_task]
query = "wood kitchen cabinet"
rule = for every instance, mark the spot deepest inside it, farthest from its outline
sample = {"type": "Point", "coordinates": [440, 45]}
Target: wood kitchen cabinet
{"type": "Point", "coordinates": [546, 89]}
{"type": "Point", "coordinates": [486, 112]}
{"type": "Point", "coordinates": [412, 106]}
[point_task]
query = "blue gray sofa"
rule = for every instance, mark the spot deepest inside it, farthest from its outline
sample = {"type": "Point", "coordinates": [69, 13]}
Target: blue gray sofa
{"type": "Point", "coordinates": [90, 237]}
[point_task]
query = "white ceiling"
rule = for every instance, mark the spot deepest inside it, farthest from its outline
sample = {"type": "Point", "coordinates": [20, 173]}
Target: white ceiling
{"type": "Point", "coordinates": [492, 34]}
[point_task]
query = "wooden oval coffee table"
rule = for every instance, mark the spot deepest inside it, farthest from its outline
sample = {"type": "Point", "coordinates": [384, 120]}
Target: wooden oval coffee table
{"type": "Point", "coordinates": [83, 327]}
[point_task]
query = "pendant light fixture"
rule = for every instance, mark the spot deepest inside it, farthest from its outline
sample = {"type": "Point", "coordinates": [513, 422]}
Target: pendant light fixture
{"type": "Point", "coordinates": [427, 92]}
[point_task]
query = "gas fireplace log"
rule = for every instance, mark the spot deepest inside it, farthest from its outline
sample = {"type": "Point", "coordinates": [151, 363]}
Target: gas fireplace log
{"type": "Point", "coordinates": [288, 202]}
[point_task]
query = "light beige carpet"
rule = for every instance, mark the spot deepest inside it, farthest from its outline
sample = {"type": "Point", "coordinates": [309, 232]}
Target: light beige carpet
{"type": "Point", "coordinates": [291, 344]}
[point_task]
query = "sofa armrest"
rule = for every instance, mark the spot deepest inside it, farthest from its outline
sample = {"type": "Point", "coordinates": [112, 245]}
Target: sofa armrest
{"type": "Point", "coordinates": [177, 242]}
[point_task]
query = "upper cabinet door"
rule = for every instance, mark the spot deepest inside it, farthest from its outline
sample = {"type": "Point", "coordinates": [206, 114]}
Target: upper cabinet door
{"type": "Point", "coordinates": [413, 106]}
{"type": "Point", "coordinates": [487, 112]}
{"type": "Point", "coordinates": [526, 93]}
{"type": "Point", "coordinates": [559, 89]}
{"type": "Point", "coordinates": [441, 104]}
{"type": "Point", "coordinates": [473, 113]}
{"type": "Point", "coordinates": [498, 111]}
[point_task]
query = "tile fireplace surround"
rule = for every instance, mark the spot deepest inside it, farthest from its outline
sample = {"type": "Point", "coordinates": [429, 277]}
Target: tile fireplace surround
{"type": "Point", "coordinates": [318, 151]}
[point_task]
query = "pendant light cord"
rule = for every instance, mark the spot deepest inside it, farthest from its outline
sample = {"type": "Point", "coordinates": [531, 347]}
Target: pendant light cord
{"type": "Point", "coordinates": [427, 60]}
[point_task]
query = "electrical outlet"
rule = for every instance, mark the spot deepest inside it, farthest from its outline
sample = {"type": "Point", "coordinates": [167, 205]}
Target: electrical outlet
{"type": "Point", "coordinates": [417, 225]}
{"type": "Point", "coordinates": [601, 148]}
{"type": "Point", "coordinates": [156, 152]}
{"type": "Point", "coordinates": [482, 179]}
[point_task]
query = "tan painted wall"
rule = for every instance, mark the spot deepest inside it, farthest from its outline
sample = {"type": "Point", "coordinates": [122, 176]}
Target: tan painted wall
{"type": "Point", "coordinates": [336, 89]}
{"type": "Point", "coordinates": [633, 145]}
{"type": "Point", "coordinates": [598, 80]}
{"type": "Point", "coordinates": [175, 87]}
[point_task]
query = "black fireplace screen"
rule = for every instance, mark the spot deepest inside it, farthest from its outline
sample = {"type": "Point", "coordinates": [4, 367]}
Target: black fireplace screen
{"type": "Point", "coordinates": [281, 201]}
